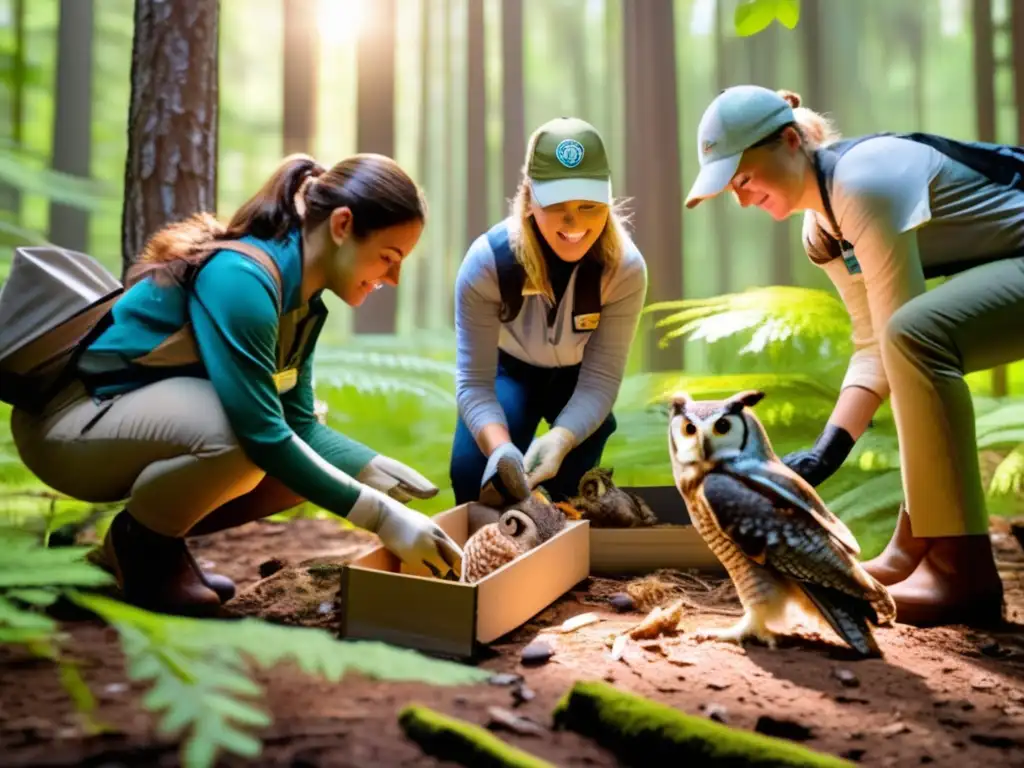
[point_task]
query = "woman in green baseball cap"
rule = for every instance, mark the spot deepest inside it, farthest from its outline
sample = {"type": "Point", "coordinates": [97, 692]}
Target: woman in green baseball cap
{"type": "Point", "coordinates": [882, 213]}
{"type": "Point", "coordinates": [546, 306]}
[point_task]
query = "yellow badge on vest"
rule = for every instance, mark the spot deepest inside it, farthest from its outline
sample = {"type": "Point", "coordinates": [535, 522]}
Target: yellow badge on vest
{"type": "Point", "coordinates": [586, 322]}
{"type": "Point", "coordinates": [286, 380]}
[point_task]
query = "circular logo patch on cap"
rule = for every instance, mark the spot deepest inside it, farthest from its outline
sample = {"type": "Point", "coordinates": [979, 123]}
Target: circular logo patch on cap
{"type": "Point", "coordinates": [569, 153]}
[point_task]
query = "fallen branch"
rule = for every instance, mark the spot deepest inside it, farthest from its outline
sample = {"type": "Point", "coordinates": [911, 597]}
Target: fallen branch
{"type": "Point", "coordinates": [643, 732]}
{"type": "Point", "coordinates": [448, 738]}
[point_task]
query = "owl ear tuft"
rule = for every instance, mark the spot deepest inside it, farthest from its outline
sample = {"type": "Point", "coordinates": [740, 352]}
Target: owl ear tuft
{"type": "Point", "coordinates": [748, 398]}
{"type": "Point", "coordinates": [677, 403]}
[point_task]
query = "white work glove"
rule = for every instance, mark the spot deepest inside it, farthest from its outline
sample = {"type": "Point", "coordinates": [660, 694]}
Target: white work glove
{"type": "Point", "coordinates": [396, 479]}
{"type": "Point", "coordinates": [504, 479]}
{"type": "Point", "coordinates": [545, 455]}
{"type": "Point", "coordinates": [412, 536]}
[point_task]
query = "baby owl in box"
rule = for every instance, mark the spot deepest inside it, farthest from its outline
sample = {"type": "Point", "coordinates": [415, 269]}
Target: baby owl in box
{"type": "Point", "coordinates": [607, 506]}
{"type": "Point", "coordinates": [782, 547]}
{"type": "Point", "coordinates": [520, 527]}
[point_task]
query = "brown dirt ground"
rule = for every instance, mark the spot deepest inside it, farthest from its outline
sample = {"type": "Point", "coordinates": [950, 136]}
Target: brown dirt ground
{"type": "Point", "coordinates": [946, 696]}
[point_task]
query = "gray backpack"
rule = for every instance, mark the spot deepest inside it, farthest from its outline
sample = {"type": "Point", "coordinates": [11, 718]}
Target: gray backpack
{"type": "Point", "coordinates": [55, 303]}
{"type": "Point", "coordinates": [51, 302]}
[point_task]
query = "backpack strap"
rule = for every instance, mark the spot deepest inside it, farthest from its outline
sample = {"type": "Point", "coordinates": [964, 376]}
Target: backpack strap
{"type": "Point", "coordinates": [261, 257]}
{"type": "Point", "coordinates": [586, 302]}
{"type": "Point", "coordinates": [511, 275]}
{"type": "Point", "coordinates": [586, 308]}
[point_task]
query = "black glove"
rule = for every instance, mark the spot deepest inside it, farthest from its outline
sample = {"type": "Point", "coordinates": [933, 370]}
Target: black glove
{"type": "Point", "coordinates": [828, 454]}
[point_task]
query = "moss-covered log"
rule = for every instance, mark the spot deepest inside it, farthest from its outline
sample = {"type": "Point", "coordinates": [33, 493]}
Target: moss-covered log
{"type": "Point", "coordinates": [448, 738]}
{"type": "Point", "coordinates": [644, 732]}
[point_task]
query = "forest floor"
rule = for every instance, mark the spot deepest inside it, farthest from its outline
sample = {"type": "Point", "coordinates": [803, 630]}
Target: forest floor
{"type": "Point", "coordinates": [945, 696]}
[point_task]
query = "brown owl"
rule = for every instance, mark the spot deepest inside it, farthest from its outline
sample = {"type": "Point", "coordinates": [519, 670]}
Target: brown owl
{"type": "Point", "coordinates": [607, 506]}
{"type": "Point", "coordinates": [520, 528]}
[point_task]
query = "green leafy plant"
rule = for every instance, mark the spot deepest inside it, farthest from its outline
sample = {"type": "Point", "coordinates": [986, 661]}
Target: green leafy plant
{"type": "Point", "coordinates": [198, 670]}
{"type": "Point", "coordinates": [753, 16]}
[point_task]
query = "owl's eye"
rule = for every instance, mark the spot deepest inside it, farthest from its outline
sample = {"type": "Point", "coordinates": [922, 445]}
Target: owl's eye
{"type": "Point", "coordinates": [690, 429]}
{"type": "Point", "coordinates": [722, 426]}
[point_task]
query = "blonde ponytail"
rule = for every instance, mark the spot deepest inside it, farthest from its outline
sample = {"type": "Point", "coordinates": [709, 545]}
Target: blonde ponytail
{"type": "Point", "coordinates": [815, 129]}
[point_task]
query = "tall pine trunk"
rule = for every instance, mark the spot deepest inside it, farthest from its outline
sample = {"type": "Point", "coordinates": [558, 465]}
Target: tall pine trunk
{"type": "Point", "coordinates": [512, 104]}
{"type": "Point", "coordinates": [375, 132]}
{"type": "Point", "coordinates": [301, 56]}
{"type": "Point", "coordinates": [72, 118]}
{"type": "Point", "coordinates": [653, 167]}
{"type": "Point", "coordinates": [171, 169]}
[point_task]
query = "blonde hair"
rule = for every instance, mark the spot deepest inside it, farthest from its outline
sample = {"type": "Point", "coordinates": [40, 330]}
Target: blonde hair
{"type": "Point", "coordinates": [815, 129]}
{"type": "Point", "coordinates": [527, 247]}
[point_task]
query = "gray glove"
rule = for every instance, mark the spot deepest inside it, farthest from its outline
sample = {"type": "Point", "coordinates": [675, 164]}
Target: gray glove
{"type": "Point", "coordinates": [396, 479]}
{"type": "Point", "coordinates": [412, 536]}
{"type": "Point", "coordinates": [504, 481]}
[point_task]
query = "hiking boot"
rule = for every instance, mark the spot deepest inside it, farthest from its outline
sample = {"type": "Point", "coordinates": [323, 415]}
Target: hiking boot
{"type": "Point", "coordinates": [157, 572]}
{"type": "Point", "coordinates": [956, 582]}
{"type": "Point", "coordinates": [901, 555]}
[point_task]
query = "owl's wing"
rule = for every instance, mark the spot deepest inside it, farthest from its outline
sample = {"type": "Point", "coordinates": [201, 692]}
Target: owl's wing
{"type": "Point", "coordinates": [781, 537]}
{"type": "Point", "coordinates": [786, 488]}
{"type": "Point", "coordinates": [790, 542]}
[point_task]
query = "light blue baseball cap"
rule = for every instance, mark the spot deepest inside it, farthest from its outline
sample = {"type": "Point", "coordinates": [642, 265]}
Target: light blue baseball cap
{"type": "Point", "coordinates": [738, 118]}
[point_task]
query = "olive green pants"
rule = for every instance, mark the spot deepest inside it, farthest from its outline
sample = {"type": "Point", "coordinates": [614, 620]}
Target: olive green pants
{"type": "Point", "coordinates": [972, 322]}
{"type": "Point", "coordinates": [167, 448]}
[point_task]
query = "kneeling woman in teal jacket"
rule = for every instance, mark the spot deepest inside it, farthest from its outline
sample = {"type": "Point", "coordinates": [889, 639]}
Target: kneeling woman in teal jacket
{"type": "Point", "coordinates": [194, 400]}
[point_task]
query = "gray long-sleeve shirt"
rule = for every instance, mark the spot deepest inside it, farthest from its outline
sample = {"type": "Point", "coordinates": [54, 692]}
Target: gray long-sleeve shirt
{"type": "Point", "coordinates": [602, 352]}
{"type": "Point", "coordinates": [905, 206]}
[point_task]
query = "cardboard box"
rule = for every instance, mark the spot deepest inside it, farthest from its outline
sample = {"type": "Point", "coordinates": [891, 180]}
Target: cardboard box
{"type": "Point", "coordinates": [642, 550]}
{"type": "Point", "coordinates": [383, 599]}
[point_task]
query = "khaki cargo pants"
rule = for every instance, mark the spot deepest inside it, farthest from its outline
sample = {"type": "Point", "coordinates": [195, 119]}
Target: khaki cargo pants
{"type": "Point", "coordinates": [167, 448]}
{"type": "Point", "coordinates": [972, 322]}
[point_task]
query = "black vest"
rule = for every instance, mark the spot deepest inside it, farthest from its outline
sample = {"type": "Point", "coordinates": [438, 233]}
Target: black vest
{"type": "Point", "coordinates": [1001, 164]}
{"type": "Point", "coordinates": [512, 278]}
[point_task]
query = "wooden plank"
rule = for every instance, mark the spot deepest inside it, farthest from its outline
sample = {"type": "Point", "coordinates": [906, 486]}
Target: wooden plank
{"type": "Point", "coordinates": [518, 591]}
{"type": "Point", "coordinates": [643, 550]}
{"type": "Point", "coordinates": [422, 613]}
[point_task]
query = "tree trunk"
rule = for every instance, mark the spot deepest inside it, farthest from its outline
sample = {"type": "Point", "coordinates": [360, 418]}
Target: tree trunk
{"type": "Point", "coordinates": [425, 178]}
{"type": "Point", "coordinates": [171, 169]}
{"type": "Point", "coordinates": [375, 132]}
{"type": "Point", "coordinates": [512, 106]}
{"type": "Point", "coordinates": [984, 71]}
{"type": "Point", "coordinates": [720, 205]}
{"type": "Point", "coordinates": [476, 128]}
{"type": "Point", "coordinates": [1017, 43]}
{"type": "Point", "coordinates": [301, 58]}
{"type": "Point", "coordinates": [72, 119]}
{"type": "Point", "coordinates": [653, 168]}
{"type": "Point", "coordinates": [10, 196]}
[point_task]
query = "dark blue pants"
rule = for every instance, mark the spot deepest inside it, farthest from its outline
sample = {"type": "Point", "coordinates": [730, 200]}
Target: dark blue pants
{"type": "Point", "coordinates": [528, 394]}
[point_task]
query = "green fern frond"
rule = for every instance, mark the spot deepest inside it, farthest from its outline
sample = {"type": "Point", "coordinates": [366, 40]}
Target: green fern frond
{"type": "Point", "coordinates": [199, 671]}
{"type": "Point", "coordinates": [1005, 488]}
{"type": "Point", "coordinates": [779, 313]}
{"type": "Point", "coordinates": [650, 389]}
{"type": "Point", "coordinates": [378, 361]}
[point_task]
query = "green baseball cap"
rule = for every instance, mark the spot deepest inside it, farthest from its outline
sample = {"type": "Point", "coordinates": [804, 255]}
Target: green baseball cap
{"type": "Point", "coordinates": [568, 162]}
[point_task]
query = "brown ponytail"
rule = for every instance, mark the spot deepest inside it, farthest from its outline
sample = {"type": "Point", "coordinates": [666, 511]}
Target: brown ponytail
{"type": "Point", "coordinates": [374, 187]}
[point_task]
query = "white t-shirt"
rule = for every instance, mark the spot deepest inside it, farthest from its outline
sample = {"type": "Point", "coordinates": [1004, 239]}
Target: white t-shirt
{"type": "Point", "coordinates": [906, 208]}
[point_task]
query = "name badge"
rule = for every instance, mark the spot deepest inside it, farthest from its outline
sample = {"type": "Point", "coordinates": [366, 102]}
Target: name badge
{"type": "Point", "coordinates": [286, 379]}
{"type": "Point", "coordinates": [850, 259]}
{"type": "Point", "coordinates": [588, 322]}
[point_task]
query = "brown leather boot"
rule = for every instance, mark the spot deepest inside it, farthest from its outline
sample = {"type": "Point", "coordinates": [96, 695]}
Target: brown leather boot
{"type": "Point", "coordinates": [156, 572]}
{"type": "Point", "coordinates": [956, 582]}
{"type": "Point", "coordinates": [901, 555]}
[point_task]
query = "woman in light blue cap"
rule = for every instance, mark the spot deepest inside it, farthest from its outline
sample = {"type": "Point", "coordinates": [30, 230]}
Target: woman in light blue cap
{"type": "Point", "coordinates": [546, 306]}
{"type": "Point", "coordinates": [881, 214]}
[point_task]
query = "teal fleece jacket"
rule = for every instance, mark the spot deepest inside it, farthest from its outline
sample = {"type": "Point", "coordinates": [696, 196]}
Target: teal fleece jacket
{"type": "Point", "coordinates": [233, 310]}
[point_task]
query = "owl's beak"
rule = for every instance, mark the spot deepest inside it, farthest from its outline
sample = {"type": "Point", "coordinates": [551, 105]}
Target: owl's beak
{"type": "Point", "coordinates": [706, 449]}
